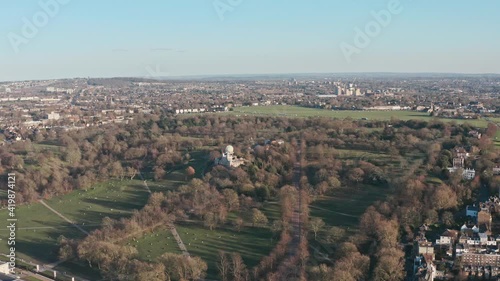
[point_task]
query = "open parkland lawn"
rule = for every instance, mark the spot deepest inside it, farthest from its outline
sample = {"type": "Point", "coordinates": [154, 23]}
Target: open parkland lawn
{"type": "Point", "coordinates": [39, 228]}
{"type": "Point", "coordinates": [377, 158]}
{"type": "Point", "coordinates": [345, 207]}
{"type": "Point", "coordinates": [37, 232]}
{"type": "Point", "coordinates": [29, 278]}
{"type": "Point", "coordinates": [296, 111]}
{"type": "Point", "coordinates": [251, 243]}
{"type": "Point", "coordinates": [112, 199]}
{"type": "Point", "coordinates": [152, 245]}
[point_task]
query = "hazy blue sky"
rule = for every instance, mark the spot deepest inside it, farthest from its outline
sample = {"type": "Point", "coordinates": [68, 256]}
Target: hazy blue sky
{"type": "Point", "coordinates": [187, 37]}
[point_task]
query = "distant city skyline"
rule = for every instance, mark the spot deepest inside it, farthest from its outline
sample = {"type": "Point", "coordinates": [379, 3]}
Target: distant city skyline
{"type": "Point", "coordinates": [50, 39]}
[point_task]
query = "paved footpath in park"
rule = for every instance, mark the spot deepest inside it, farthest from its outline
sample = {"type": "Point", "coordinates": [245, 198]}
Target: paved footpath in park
{"type": "Point", "coordinates": [145, 183]}
{"type": "Point", "coordinates": [171, 226]}
{"type": "Point", "coordinates": [63, 217]}
{"type": "Point", "coordinates": [179, 240]}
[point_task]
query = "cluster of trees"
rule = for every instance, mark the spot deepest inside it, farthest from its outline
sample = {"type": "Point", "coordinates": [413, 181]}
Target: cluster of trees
{"type": "Point", "coordinates": [398, 139]}
{"type": "Point", "coordinates": [60, 161]}
{"type": "Point", "coordinates": [232, 267]}
{"type": "Point", "coordinates": [374, 252]}
{"type": "Point", "coordinates": [161, 142]}
{"type": "Point", "coordinates": [117, 262]}
{"type": "Point", "coordinates": [288, 259]}
{"type": "Point", "coordinates": [294, 266]}
{"type": "Point", "coordinates": [120, 262]}
{"type": "Point", "coordinates": [261, 178]}
{"type": "Point", "coordinates": [328, 174]}
{"type": "Point", "coordinates": [196, 200]}
{"type": "Point", "coordinates": [350, 265]}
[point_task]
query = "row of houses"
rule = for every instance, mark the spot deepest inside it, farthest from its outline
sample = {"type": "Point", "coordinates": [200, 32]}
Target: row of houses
{"type": "Point", "coordinates": [215, 108]}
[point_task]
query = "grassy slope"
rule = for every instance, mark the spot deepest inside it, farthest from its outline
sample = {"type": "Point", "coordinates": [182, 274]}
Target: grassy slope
{"type": "Point", "coordinates": [347, 205]}
{"type": "Point", "coordinates": [295, 111]}
{"type": "Point", "coordinates": [40, 241]}
{"type": "Point", "coordinates": [251, 243]}
{"type": "Point", "coordinates": [152, 245]}
{"type": "Point", "coordinates": [112, 199]}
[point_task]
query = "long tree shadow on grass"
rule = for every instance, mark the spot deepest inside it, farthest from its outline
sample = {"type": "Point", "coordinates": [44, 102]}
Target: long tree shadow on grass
{"type": "Point", "coordinates": [41, 244]}
{"type": "Point", "coordinates": [251, 243]}
{"type": "Point", "coordinates": [133, 201]}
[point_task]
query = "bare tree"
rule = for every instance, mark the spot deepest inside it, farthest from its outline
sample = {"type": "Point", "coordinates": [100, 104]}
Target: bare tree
{"type": "Point", "coordinates": [316, 225]}
{"type": "Point", "coordinates": [239, 269]}
{"type": "Point", "coordinates": [224, 266]}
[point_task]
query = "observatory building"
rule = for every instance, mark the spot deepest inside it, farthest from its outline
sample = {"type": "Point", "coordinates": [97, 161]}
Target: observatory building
{"type": "Point", "coordinates": [228, 158]}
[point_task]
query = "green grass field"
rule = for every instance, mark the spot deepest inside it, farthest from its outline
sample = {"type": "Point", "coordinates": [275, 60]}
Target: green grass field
{"type": "Point", "coordinates": [344, 210]}
{"type": "Point", "coordinates": [433, 180]}
{"type": "Point", "coordinates": [347, 205]}
{"type": "Point", "coordinates": [164, 185]}
{"type": "Point", "coordinates": [37, 232]}
{"type": "Point", "coordinates": [44, 146]}
{"type": "Point", "coordinates": [152, 245]}
{"type": "Point", "coordinates": [251, 243]}
{"type": "Point", "coordinates": [112, 199]}
{"type": "Point", "coordinates": [295, 111]}
{"type": "Point", "coordinates": [350, 154]}
{"type": "Point", "coordinates": [80, 269]}
{"type": "Point", "coordinates": [272, 210]}
{"type": "Point", "coordinates": [39, 228]}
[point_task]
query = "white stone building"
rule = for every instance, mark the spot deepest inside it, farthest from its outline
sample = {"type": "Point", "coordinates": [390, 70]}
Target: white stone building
{"type": "Point", "coordinates": [53, 116]}
{"type": "Point", "coordinates": [228, 158]}
{"type": "Point", "coordinates": [467, 174]}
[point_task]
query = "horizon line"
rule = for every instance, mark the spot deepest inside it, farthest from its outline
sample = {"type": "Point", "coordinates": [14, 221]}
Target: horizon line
{"type": "Point", "coordinates": [249, 75]}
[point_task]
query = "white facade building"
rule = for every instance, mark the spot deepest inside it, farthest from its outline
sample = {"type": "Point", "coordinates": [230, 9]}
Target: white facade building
{"type": "Point", "coordinates": [53, 116]}
{"type": "Point", "coordinates": [467, 174]}
{"type": "Point", "coordinates": [444, 240]}
{"type": "Point", "coordinates": [228, 158]}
